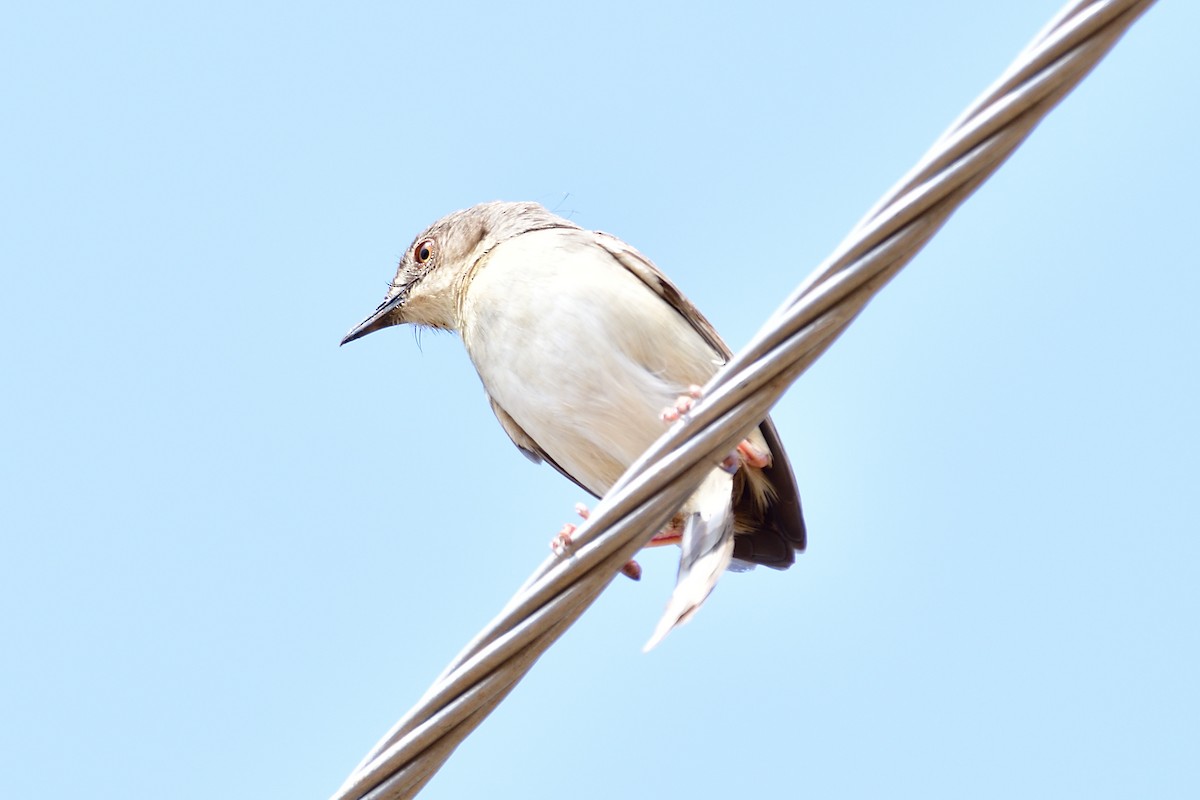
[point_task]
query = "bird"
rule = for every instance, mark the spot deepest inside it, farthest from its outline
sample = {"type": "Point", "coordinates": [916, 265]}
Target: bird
{"type": "Point", "coordinates": [581, 342]}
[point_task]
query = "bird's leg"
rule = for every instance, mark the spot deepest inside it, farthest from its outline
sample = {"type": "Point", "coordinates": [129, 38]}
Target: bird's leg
{"type": "Point", "coordinates": [672, 534]}
{"type": "Point", "coordinates": [746, 453]}
{"type": "Point", "coordinates": [668, 535]}
{"type": "Point", "coordinates": [561, 543]}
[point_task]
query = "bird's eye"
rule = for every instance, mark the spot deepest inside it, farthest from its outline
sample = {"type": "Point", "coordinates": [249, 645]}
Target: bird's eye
{"type": "Point", "coordinates": [423, 252]}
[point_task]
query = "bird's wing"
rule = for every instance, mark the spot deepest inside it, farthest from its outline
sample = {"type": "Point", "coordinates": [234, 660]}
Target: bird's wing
{"type": "Point", "coordinates": [525, 443]}
{"type": "Point", "coordinates": [661, 285]}
{"type": "Point", "coordinates": [782, 531]}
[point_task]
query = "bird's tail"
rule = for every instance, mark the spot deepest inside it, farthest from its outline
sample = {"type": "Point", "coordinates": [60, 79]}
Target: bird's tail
{"type": "Point", "coordinates": [707, 548]}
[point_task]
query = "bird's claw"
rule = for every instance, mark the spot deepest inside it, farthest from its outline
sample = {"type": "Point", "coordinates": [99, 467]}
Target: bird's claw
{"type": "Point", "coordinates": [683, 404]}
{"type": "Point", "coordinates": [747, 454]}
{"type": "Point", "coordinates": [562, 543]}
{"type": "Point", "coordinates": [752, 456]}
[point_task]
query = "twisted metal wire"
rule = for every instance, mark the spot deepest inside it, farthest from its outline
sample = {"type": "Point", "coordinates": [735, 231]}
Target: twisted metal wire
{"type": "Point", "coordinates": [740, 395]}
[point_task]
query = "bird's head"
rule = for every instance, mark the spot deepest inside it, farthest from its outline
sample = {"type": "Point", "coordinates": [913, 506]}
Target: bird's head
{"type": "Point", "coordinates": [437, 267]}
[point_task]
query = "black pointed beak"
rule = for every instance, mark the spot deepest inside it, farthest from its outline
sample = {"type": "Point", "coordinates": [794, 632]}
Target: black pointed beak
{"type": "Point", "coordinates": [386, 315]}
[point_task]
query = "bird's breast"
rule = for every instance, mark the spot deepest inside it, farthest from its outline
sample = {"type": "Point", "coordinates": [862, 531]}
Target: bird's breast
{"type": "Point", "coordinates": [578, 351]}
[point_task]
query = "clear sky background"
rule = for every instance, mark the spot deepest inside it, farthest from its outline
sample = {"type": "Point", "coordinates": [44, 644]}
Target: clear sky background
{"type": "Point", "coordinates": [233, 553]}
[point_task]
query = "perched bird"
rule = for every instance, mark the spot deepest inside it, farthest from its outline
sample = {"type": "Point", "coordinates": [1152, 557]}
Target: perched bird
{"type": "Point", "coordinates": [581, 342]}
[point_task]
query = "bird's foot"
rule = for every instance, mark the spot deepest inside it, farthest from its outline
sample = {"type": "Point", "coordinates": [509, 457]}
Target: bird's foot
{"type": "Point", "coordinates": [747, 454]}
{"type": "Point", "coordinates": [562, 543]}
{"type": "Point", "coordinates": [752, 456]}
{"type": "Point", "coordinates": [683, 404]}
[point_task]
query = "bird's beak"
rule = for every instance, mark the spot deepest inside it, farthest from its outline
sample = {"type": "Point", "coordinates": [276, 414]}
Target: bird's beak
{"type": "Point", "coordinates": [386, 315]}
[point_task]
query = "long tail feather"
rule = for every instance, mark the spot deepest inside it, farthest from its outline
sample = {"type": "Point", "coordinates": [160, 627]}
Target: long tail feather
{"type": "Point", "coordinates": [707, 549]}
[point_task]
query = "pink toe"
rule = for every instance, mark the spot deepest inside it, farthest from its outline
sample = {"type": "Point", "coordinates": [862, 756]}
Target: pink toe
{"type": "Point", "coordinates": [562, 540]}
{"type": "Point", "coordinates": [753, 456]}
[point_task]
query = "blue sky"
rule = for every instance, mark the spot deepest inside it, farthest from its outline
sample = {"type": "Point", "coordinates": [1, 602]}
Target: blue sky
{"type": "Point", "coordinates": [234, 554]}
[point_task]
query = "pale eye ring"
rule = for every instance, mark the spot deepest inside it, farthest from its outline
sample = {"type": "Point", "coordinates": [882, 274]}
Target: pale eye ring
{"type": "Point", "coordinates": [423, 252]}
